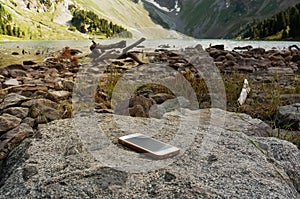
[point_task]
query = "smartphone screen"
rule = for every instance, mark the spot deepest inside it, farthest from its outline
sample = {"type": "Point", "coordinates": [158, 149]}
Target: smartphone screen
{"type": "Point", "coordinates": [149, 145]}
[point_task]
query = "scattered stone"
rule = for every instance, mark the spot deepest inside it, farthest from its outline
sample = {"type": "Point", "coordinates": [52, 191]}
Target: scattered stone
{"type": "Point", "coordinates": [258, 51]}
{"type": "Point", "coordinates": [2, 78]}
{"type": "Point", "coordinates": [4, 72]}
{"type": "Point", "coordinates": [140, 106]}
{"type": "Point", "coordinates": [280, 70]}
{"type": "Point", "coordinates": [68, 85]}
{"type": "Point", "coordinates": [17, 73]}
{"type": "Point", "coordinates": [41, 102]}
{"type": "Point", "coordinates": [290, 97]}
{"type": "Point", "coordinates": [29, 62]}
{"type": "Point", "coordinates": [19, 112]}
{"type": "Point", "coordinates": [12, 99]}
{"type": "Point", "coordinates": [173, 104]}
{"type": "Point", "coordinates": [27, 88]}
{"type": "Point", "coordinates": [137, 106]}
{"type": "Point", "coordinates": [23, 129]}
{"type": "Point", "coordinates": [44, 110]}
{"type": "Point", "coordinates": [11, 82]}
{"type": "Point", "coordinates": [58, 95]}
{"type": "Point", "coordinates": [95, 70]}
{"type": "Point", "coordinates": [161, 97]}
{"type": "Point", "coordinates": [15, 67]}
{"type": "Point", "coordinates": [13, 138]}
{"type": "Point", "coordinates": [249, 69]}
{"type": "Point", "coordinates": [156, 112]}
{"type": "Point", "coordinates": [288, 117]}
{"type": "Point", "coordinates": [8, 122]}
{"type": "Point", "coordinates": [30, 121]}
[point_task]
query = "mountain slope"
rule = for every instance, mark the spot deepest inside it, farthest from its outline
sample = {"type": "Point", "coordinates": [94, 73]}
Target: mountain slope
{"type": "Point", "coordinates": [131, 15]}
{"type": "Point", "coordinates": [212, 18]}
{"type": "Point", "coordinates": [41, 19]}
{"type": "Point", "coordinates": [50, 19]}
{"type": "Point", "coordinates": [282, 26]}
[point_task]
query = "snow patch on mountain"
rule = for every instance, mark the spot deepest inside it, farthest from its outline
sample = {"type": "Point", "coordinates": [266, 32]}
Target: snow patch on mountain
{"type": "Point", "coordinates": [227, 3]}
{"type": "Point", "coordinates": [176, 8]}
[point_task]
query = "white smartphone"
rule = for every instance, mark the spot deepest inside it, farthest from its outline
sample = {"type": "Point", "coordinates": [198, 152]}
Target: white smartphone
{"type": "Point", "coordinates": [149, 146]}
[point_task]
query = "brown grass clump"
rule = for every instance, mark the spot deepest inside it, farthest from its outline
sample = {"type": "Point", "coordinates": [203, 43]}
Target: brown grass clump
{"type": "Point", "coordinates": [65, 55]}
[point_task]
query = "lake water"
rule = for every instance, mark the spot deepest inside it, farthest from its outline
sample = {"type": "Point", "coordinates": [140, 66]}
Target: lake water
{"type": "Point", "coordinates": [178, 43]}
{"type": "Point", "coordinates": [7, 47]}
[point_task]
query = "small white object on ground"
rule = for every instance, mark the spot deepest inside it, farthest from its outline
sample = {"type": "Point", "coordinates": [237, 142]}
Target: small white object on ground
{"type": "Point", "coordinates": [245, 91]}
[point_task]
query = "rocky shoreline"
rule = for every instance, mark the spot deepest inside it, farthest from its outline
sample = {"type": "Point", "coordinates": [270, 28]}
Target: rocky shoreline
{"type": "Point", "coordinates": [32, 94]}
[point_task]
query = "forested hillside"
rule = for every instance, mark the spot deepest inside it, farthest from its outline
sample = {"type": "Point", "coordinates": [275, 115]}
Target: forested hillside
{"type": "Point", "coordinates": [7, 26]}
{"type": "Point", "coordinates": [285, 25]}
{"type": "Point", "coordinates": [68, 19]}
{"type": "Point", "coordinates": [89, 22]}
{"type": "Point", "coordinates": [54, 19]}
{"type": "Point", "coordinates": [213, 19]}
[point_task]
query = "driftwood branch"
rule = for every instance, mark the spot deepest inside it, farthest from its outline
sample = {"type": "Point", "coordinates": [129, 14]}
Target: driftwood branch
{"type": "Point", "coordinates": [133, 45]}
{"type": "Point", "coordinates": [104, 52]}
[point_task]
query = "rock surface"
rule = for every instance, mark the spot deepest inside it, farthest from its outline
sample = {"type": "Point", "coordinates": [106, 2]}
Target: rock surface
{"type": "Point", "coordinates": [289, 116]}
{"type": "Point", "coordinates": [8, 122]}
{"type": "Point", "coordinates": [219, 161]}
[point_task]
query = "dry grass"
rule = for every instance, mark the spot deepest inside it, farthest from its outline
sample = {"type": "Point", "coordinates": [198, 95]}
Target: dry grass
{"type": "Point", "coordinates": [263, 101]}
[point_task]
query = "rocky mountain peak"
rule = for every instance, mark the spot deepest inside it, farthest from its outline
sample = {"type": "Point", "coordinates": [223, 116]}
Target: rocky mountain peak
{"type": "Point", "coordinates": [212, 19]}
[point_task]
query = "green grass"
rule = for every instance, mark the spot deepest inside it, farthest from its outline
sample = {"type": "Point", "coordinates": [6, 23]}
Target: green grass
{"type": "Point", "coordinates": [277, 36]}
{"type": "Point", "coordinates": [9, 38]}
{"type": "Point", "coordinates": [41, 26]}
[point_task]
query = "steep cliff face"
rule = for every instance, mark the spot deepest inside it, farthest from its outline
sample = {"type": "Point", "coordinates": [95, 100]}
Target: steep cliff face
{"type": "Point", "coordinates": [212, 19]}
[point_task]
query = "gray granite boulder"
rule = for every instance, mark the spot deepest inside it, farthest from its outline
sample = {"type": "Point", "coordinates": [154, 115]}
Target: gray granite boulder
{"type": "Point", "coordinates": [74, 158]}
